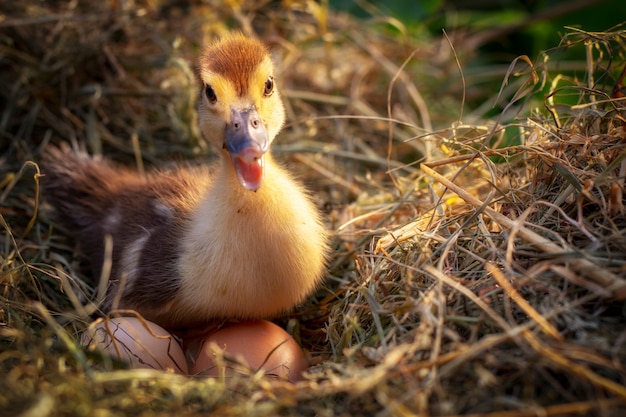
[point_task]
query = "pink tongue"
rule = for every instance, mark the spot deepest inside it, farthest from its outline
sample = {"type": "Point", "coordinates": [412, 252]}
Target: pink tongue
{"type": "Point", "coordinates": [250, 174]}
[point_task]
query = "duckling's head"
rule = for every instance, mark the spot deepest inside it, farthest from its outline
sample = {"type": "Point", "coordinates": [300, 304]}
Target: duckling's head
{"type": "Point", "coordinates": [240, 109]}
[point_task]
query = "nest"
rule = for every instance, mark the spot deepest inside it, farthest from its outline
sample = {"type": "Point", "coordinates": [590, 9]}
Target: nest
{"type": "Point", "coordinates": [479, 267]}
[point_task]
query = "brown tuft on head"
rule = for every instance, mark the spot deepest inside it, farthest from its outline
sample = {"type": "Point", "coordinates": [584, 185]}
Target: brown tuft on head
{"type": "Point", "coordinates": [235, 58]}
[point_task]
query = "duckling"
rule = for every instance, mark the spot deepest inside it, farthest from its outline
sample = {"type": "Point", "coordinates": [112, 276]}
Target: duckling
{"type": "Point", "coordinates": [238, 240]}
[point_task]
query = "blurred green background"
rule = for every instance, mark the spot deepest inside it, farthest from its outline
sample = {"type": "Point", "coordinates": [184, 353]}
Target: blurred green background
{"type": "Point", "coordinates": [509, 27]}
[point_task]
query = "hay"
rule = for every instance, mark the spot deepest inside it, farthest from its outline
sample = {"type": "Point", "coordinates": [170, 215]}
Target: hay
{"type": "Point", "coordinates": [488, 277]}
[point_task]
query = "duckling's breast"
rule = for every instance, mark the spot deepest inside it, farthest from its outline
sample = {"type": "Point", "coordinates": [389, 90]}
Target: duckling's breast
{"type": "Point", "coordinates": [251, 254]}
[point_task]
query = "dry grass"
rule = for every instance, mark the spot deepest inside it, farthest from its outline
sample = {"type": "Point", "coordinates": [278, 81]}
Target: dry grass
{"type": "Point", "coordinates": [489, 276]}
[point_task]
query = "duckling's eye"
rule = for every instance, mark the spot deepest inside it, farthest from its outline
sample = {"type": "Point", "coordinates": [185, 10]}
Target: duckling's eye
{"type": "Point", "coordinates": [210, 94]}
{"type": "Point", "coordinates": [269, 86]}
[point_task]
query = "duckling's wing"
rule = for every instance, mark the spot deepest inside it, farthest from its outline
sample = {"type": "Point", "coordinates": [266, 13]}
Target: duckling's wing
{"type": "Point", "coordinates": [145, 218]}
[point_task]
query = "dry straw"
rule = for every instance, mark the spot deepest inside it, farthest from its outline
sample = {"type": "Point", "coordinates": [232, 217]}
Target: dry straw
{"type": "Point", "coordinates": [479, 267]}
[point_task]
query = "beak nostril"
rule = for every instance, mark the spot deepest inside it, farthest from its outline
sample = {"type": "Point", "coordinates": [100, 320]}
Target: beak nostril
{"type": "Point", "coordinates": [246, 130]}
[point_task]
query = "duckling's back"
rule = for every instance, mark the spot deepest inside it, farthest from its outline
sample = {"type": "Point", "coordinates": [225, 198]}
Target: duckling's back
{"type": "Point", "coordinates": [143, 216]}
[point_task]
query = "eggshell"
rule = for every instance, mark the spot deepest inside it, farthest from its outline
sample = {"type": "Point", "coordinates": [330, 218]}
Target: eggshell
{"type": "Point", "coordinates": [248, 347]}
{"type": "Point", "coordinates": [141, 343]}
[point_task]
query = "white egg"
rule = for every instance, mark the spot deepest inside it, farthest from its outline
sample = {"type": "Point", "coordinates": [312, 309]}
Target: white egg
{"type": "Point", "coordinates": [141, 343]}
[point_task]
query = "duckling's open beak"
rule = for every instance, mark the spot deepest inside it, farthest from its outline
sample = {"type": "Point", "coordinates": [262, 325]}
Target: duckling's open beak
{"type": "Point", "coordinates": [246, 141]}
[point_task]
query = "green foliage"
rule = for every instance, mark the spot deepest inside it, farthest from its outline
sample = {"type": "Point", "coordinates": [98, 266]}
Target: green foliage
{"type": "Point", "coordinates": [409, 12]}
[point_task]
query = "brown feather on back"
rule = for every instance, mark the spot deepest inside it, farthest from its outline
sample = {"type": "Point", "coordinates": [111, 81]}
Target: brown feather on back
{"type": "Point", "coordinates": [143, 216]}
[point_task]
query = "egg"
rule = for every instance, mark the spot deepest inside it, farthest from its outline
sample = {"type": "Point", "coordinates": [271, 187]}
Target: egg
{"type": "Point", "coordinates": [140, 343]}
{"type": "Point", "coordinates": [250, 346]}
{"type": "Point", "coordinates": [243, 347]}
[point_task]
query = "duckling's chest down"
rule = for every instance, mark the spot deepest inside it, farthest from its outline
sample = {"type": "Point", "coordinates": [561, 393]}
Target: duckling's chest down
{"type": "Point", "coordinates": [245, 254]}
